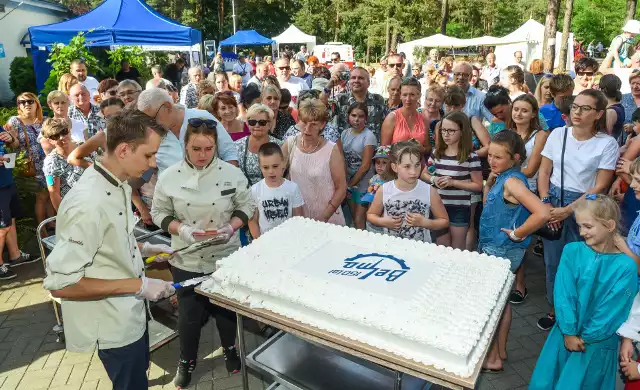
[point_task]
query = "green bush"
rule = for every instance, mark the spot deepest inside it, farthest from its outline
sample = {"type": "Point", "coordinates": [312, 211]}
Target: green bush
{"type": "Point", "coordinates": [22, 77]}
{"type": "Point", "coordinates": [6, 113]}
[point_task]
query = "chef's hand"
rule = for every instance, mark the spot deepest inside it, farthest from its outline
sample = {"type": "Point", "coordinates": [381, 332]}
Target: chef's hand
{"type": "Point", "coordinates": [226, 229]}
{"type": "Point", "coordinates": [185, 232]}
{"type": "Point", "coordinates": [155, 289]}
{"type": "Point", "coordinates": [148, 250]}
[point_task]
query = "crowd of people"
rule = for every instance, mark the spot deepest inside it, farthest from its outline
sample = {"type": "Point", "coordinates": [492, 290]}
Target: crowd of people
{"type": "Point", "coordinates": [466, 155]}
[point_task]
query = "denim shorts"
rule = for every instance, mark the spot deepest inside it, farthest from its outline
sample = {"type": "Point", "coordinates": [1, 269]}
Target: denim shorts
{"type": "Point", "coordinates": [514, 255]}
{"type": "Point", "coordinates": [459, 216]}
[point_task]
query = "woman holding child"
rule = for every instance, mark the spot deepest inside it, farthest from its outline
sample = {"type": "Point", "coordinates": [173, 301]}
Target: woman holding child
{"type": "Point", "coordinates": [194, 200]}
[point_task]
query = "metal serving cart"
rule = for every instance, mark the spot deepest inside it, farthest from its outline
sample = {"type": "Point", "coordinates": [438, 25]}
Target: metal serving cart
{"type": "Point", "coordinates": [160, 332]}
{"type": "Point", "coordinates": [308, 358]}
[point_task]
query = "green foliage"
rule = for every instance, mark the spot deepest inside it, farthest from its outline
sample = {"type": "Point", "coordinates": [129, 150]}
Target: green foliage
{"type": "Point", "coordinates": [6, 113]}
{"type": "Point", "coordinates": [60, 59]}
{"type": "Point", "coordinates": [22, 77]}
{"type": "Point", "coordinates": [597, 20]}
{"type": "Point", "coordinates": [133, 54]}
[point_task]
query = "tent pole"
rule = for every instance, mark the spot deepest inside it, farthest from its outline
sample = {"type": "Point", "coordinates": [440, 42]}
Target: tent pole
{"type": "Point", "coordinates": [233, 14]}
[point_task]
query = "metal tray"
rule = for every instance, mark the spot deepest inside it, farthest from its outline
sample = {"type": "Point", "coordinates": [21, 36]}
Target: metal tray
{"type": "Point", "coordinates": [300, 365]}
{"type": "Point", "coordinates": [142, 235]}
{"type": "Point", "coordinates": [277, 386]}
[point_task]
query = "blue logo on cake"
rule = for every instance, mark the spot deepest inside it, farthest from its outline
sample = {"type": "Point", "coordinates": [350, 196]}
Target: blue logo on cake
{"type": "Point", "coordinates": [363, 266]}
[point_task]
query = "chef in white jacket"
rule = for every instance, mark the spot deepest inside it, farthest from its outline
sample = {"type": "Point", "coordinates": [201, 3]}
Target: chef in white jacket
{"type": "Point", "coordinates": [199, 194]}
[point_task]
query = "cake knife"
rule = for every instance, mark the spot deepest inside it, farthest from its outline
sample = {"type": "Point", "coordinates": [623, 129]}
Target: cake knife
{"type": "Point", "coordinates": [191, 282]}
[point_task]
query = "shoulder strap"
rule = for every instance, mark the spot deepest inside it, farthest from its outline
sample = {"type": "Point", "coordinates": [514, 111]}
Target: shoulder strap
{"type": "Point", "coordinates": [244, 158]}
{"type": "Point", "coordinates": [291, 147]}
{"type": "Point", "coordinates": [564, 147]}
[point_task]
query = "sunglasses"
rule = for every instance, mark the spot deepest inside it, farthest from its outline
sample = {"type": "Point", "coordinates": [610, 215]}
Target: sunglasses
{"type": "Point", "coordinates": [395, 65]}
{"type": "Point", "coordinates": [197, 122]}
{"type": "Point", "coordinates": [284, 67]}
{"type": "Point", "coordinates": [585, 73]}
{"type": "Point", "coordinates": [335, 60]}
{"type": "Point", "coordinates": [261, 122]}
{"type": "Point", "coordinates": [25, 102]}
{"type": "Point", "coordinates": [62, 134]}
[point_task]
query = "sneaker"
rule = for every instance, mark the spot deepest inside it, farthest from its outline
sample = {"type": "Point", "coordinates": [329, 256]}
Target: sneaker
{"type": "Point", "coordinates": [183, 376]}
{"type": "Point", "coordinates": [6, 273]}
{"type": "Point", "coordinates": [24, 258]}
{"type": "Point", "coordinates": [538, 249]}
{"type": "Point", "coordinates": [517, 297]}
{"type": "Point", "coordinates": [232, 360]}
{"type": "Point", "coordinates": [546, 323]}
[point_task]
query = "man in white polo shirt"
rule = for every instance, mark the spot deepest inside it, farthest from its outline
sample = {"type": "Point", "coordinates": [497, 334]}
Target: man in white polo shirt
{"type": "Point", "coordinates": [289, 82]}
{"type": "Point", "coordinates": [79, 69]}
{"type": "Point", "coordinates": [96, 266]}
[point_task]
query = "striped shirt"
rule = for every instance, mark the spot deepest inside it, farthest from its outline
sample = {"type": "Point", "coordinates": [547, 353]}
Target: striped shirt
{"type": "Point", "coordinates": [449, 166]}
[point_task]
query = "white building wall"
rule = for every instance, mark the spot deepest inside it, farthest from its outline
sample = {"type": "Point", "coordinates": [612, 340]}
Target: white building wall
{"type": "Point", "coordinates": [12, 29]}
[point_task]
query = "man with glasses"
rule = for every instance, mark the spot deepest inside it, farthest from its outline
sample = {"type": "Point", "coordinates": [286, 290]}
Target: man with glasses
{"type": "Point", "coordinates": [157, 103]}
{"type": "Point", "coordinates": [292, 83]}
{"type": "Point", "coordinates": [84, 110]}
{"type": "Point", "coordinates": [79, 69]}
{"type": "Point", "coordinates": [517, 59]}
{"type": "Point", "coordinates": [298, 70]}
{"type": "Point", "coordinates": [335, 58]}
{"type": "Point", "coordinates": [586, 69]}
{"type": "Point", "coordinates": [395, 66]}
{"type": "Point", "coordinates": [491, 71]}
{"type": "Point", "coordinates": [474, 106]}
{"type": "Point", "coordinates": [189, 93]}
{"type": "Point", "coordinates": [359, 81]}
{"type": "Point", "coordinates": [128, 91]}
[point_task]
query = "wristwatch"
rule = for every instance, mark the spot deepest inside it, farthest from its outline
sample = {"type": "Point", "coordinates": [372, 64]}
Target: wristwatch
{"type": "Point", "coordinates": [546, 200]}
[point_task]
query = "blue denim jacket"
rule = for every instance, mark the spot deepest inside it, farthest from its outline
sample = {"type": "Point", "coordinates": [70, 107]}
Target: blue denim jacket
{"type": "Point", "coordinates": [497, 214]}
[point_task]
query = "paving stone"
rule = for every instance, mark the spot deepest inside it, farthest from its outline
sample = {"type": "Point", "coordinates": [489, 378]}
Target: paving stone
{"type": "Point", "coordinates": [507, 382]}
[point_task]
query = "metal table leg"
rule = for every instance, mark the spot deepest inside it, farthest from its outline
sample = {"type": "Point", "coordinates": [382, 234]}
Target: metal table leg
{"type": "Point", "coordinates": [398, 384]}
{"type": "Point", "coordinates": [242, 352]}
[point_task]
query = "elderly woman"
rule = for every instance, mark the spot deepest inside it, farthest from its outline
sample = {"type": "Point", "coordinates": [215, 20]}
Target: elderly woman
{"type": "Point", "coordinates": [60, 175]}
{"type": "Point", "coordinates": [329, 132]}
{"type": "Point", "coordinates": [271, 96]}
{"type": "Point", "coordinates": [128, 92]}
{"type": "Point", "coordinates": [406, 123]}
{"type": "Point", "coordinates": [24, 130]}
{"type": "Point", "coordinates": [206, 87]}
{"type": "Point", "coordinates": [189, 93]}
{"type": "Point", "coordinates": [317, 165]}
{"type": "Point", "coordinates": [107, 88]}
{"type": "Point", "coordinates": [631, 101]}
{"type": "Point", "coordinates": [225, 108]}
{"type": "Point", "coordinates": [199, 198]}
{"type": "Point", "coordinates": [259, 120]}
{"type": "Point", "coordinates": [58, 103]}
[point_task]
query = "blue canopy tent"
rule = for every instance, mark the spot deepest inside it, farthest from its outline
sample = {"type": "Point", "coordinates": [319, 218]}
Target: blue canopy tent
{"type": "Point", "coordinates": [114, 22]}
{"type": "Point", "coordinates": [246, 37]}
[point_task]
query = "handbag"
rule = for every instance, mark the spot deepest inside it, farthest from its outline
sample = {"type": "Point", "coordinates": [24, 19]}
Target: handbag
{"type": "Point", "coordinates": [29, 169]}
{"type": "Point", "coordinates": [546, 232]}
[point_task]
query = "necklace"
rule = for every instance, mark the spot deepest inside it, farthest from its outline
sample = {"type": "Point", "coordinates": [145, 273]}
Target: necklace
{"type": "Point", "coordinates": [306, 150]}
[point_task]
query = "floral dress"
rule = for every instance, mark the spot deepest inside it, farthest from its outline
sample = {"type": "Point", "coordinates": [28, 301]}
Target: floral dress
{"type": "Point", "coordinates": [248, 161]}
{"type": "Point", "coordinates": [35, 150]}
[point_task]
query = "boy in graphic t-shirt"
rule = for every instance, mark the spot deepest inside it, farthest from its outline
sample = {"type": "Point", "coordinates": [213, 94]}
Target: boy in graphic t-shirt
{"type": "Point", "coordinates": [278, 199]}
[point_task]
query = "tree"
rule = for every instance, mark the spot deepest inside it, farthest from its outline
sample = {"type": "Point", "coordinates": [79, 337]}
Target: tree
{"type": "Point", "coordinates": [445, 17]}
{"type": "Point", "coordinates": [550, 30]}
{"type": "Point", "coordinates": [631, 10]}
{"type": "Point", "coordinates": [562, 61]}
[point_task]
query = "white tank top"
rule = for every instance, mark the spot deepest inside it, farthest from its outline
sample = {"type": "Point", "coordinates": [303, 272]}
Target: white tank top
{"type": "Point", "coordinates": [528, 147]}
{"type": "Point", "coordinates": [398, 203]}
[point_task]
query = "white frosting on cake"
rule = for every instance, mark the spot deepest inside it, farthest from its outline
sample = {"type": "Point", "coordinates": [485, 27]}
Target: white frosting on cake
{"type": "Point", "coordinates": [436, 305]}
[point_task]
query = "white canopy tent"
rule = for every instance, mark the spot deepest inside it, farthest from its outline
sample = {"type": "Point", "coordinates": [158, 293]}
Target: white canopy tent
{"type": "Point", "coordinates": [294, 35]}
{"type": "Point", "coordinates": [527, 38]}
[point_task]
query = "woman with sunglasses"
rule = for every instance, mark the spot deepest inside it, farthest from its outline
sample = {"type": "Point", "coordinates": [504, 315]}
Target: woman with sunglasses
{"type": "Point", "coordinates": [107, 88]}
{"type": "Point", "coordinates": [588, 166]}
{"type": "Point", "coordinates": [271, 97]}
{"type": "Point", "coordinates": [25, 129]}
{"type": "Point", "coordinates": [60, 175]}
{"type": "Point", "coordinates": [197, 199]}
{"type": "Point", "coordinates": [259, 120]}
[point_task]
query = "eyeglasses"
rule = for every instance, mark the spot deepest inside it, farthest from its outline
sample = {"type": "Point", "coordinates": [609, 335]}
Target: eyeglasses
{"type": "Point", "coordinates": [284, 67]}
{"type": "Point", "coordinates": [261, 122]}
{"type": "Point", "coordinates": [448, 131]}
{"type": "Point", "coordinates": [585, 73]}
{"type": "Point", "coordinates": [197, 122]}
{"type": "Point", "coordinates": [127, 93]}
{"type": "Point", "coordinates": [578, 108]}
{"type": "Point", "coordinates": [460, 74]}
{"type": "Point", "coordinates": [25, 102]}
{"type": "Point", "coordinates": [395, 65]}
{"type": "Point", "coordinates": [61, 134]}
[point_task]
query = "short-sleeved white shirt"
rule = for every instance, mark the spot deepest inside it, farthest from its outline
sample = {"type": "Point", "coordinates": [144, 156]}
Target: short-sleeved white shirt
{"type": "Point", "coordinates": [275, 205]}
{"type": "Point", "coordinates": [582, 159]}
{"type": "Point", "coordinates": [92, 85]}
{"type": "Point", "coordinates": [294, 85]}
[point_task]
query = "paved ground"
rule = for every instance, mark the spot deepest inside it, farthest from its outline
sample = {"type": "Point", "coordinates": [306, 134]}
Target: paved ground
{"type": "Point", "coordinates": [30, 357]}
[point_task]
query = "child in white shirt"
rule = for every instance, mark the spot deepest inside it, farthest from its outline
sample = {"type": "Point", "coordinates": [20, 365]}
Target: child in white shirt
{"type": "Point", "coordinates": [278, 199]}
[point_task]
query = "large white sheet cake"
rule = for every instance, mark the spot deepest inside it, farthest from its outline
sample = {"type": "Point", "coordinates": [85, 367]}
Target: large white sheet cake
{"type": "Point", "coordinates": [429, 303]}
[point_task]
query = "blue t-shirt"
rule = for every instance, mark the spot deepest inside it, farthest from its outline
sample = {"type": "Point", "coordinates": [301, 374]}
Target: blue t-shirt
{"type": "Point", "coordinates": [633, 239]}
{"type": "Point", "coordinates": [6, 176]}
{"type": "Point", "coordinates": [552, 115]}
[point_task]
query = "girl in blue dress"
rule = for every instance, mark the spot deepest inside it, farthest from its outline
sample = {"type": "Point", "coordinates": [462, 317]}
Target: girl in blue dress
{"type": "Point", "coordinates": [594, 289]}
{"type": "Point", "coordinates": [511, 214]}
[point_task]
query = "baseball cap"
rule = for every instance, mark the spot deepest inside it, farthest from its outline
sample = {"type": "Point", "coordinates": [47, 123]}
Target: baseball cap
{"type": "Point", "coordinates": [382, 152]}
{"type": "Point", "coordinates": [319, 84]}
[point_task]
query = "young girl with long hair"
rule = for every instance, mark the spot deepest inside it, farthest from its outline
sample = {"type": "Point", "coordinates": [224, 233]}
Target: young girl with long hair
{"type": "Point", "coordinates": [404, 204]}
{"type": "Point", "coordinates": [454, 169]}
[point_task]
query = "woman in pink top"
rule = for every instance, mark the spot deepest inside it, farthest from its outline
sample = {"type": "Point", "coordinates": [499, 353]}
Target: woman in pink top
{"type": "Point", "coordinates": [317, 165]}
{"type": "Point", "coordinates": [406, 123]}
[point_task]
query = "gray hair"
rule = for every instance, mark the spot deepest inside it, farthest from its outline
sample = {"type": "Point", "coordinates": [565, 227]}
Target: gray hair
{"type": "Point", "coordinates": [81, 86]}
{"type": "Point", "coordinates": [132, 83]}
{"type": "Point", "coordinates": [152, 98]}
{"type": "Point", "coordinates": [259, 108]}
{"type": "Point", "coordinates": [193, 70]}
